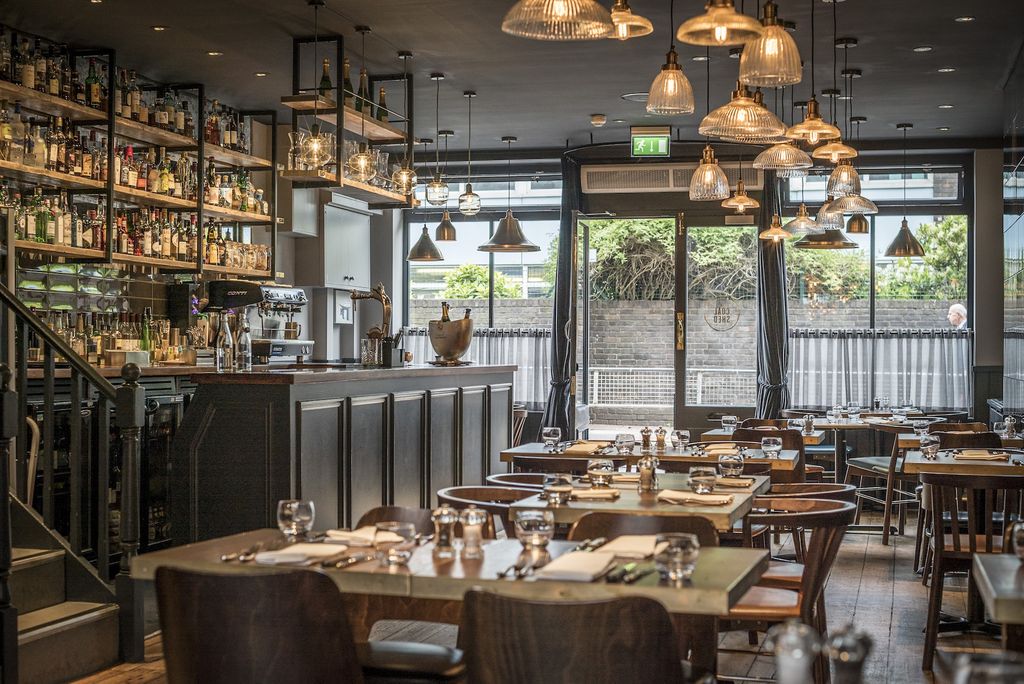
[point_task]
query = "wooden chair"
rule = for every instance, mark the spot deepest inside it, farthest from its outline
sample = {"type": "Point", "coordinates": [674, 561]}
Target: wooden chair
{"type": "Point", "coordinates": [555, 464]}
{"type": "Point", "coordinates": [969, 514]}
{"type": "Point", "coordinates": [612, 525]}
{"type": "Point", "coordinates": [776, 423]}
{"type": "Point", "coordinates": [969, 440]}
{"type": "Point", "coordinates": [535, 481]}
{"type": "Point", "coordinates": [813, 490]}
{"type": "Point", "coordinates": [495, 500]}
{"type": "Point", "coordinates": [278, 627]}
{"type": "Point", "coordinates": [826, 521]}
{"type": "Point", "coordinates": [519, 415]}
{"type": "Point", "coordinates": [420, 517]}
{"type": "Point", "coordinates": [958, 427]}
{"type": "Point", "coordinates": [520, 641]}
{"type": "Point", "coordinates": [894, 498]}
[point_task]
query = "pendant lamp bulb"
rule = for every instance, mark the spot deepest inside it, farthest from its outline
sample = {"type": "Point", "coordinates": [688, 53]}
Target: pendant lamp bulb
{"type": "Point", "coordinates": [437, 189]}
{"type": "Point", "coordinates": [404, 178]}
{"type": "Point", "coordinates": [469, 201]}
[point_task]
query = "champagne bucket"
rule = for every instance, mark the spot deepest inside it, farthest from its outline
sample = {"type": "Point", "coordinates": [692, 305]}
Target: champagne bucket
{"type": "Point", "coordinates": [450, 339]}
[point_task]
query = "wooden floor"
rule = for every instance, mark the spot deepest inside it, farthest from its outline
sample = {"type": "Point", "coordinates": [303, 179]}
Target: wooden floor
{"type": "Point", "coordinates": [873, 586]}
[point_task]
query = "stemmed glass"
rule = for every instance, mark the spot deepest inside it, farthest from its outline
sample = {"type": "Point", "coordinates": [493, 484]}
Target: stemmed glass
{"type": "Point", "coordinates": [551, 436]}
{"type": "Point", "coordinates": [771, 446]}
{"type": "Point", "coordinates": [295, 517]}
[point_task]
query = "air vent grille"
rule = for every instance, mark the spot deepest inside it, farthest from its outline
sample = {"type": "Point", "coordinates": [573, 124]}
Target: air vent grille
{"type": "Point", "coordinates": [644, 178]}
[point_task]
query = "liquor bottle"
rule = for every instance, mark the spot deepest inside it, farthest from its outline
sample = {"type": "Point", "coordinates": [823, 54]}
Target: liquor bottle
{"type": "Point", "coordinates": [6, 131]}
{"type": "Point", "coordinates": [363, 102]}
{"type": "Point", "coordinates": [62, 147]}
{"type": "Point", "coordinates": [222, 252]}
{"type": "Point", "coordinates": [165, 179]}
{"type": "Point", "coordinates": [39, 151]}
{"type": "Point", "coordinates": [212, 256]}
{"type": "Point", "coordinates": [79, 341]}
{"type": "Point", "coordinates": [125, 108]}
{"type": "Point", "coordinates": [211, 192]}
{"type": "Point", "coordinates": [168, 114]}
{"type": "Point", "coordinates": [51, 148]}
{"type": "Point", "coordinates": [92, 86]}
{"type": "Point", "coordinates": [73, 156]}
{"type": "Point", "coordinates": [77, 88]}
{"type": "Point", "coordinates": [19, 136]}
{"type": "Point", "coordinates": [230, 132]}
{"type": "Point", "coordinates": [40, 67]}
{"type": "Point", "coordinates": [180, 112]}
{"type": "Point", "coordinates": [325, 79]}
{"type": "Point", "coordinates": [145, 339]}
{"type": "Point", "coordinates": [152, 172]}
{"type": "Point", "coordinates": [6, 67]}
{"type": "Point", "coordinates": [346, 83]}
{"type": "Point", "coordinates": [26, 66]}
{"type": "Point", "coordinates": [165, 236]}
{"type": "Point", "coordinates": [382, 106]}
{"type": "Point", "coordinates": [160, 119]}
{"type": "Point", "coordinates": [89, 169]}
{"type": "Point", "coordinates": [190, 124]}
{"type": "Point", "coordinates": [134, 97]}
{"type": "Point", "coordinates": [243, 360]}
{"type": "Point", "coordinates": [183, 238]}
{"type": "Point", "coordinates": [51, 223]}
{"type": "Point", "coordinates": [66, 66]}
{"type": "Point", "coordinates": [104, 87]}
{"type": "Point", "coordinates": [213, 124]}
{"type": "Point", "coordinates": [129, 171]}
{"type": "Point", "coordinates": [57, 218]}
{"type": "Point", "coordinates": [53, 74]}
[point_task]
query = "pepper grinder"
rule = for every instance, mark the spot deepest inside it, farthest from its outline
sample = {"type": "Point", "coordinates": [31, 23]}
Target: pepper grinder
{"type": "Point", "coordinates": [473, 521]}
{"type": "Point", "coordinates": [648, 467]}
{"type": "Point", "coordinates": [444, 518]}
{"type": "Point", "coordinates": [848, 650]}
{"type": "Point", "coordinates": [796, 645]}
{"type": "Point", "coordinates": [645, 440]}
{"type": "Point", "coordinates": [660, 439]}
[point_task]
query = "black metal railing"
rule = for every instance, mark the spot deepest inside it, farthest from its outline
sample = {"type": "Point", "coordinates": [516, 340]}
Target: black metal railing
{"type": "Point", "coordinates": [95, 408]}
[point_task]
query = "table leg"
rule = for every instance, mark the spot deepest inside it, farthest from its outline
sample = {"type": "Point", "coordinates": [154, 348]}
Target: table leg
{"type": "Point", "coordinates": [1013, 637]}
{"type": "Point", "coordinates": [840, 439]}
{"type": "Point", "coordinates": [698, 642]}
{"type": "Point", "coordinates": [890, 487]}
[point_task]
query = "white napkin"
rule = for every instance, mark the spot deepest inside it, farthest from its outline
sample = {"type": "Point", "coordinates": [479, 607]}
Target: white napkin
{"type": "Point", "coordinates": [577, 566]}
{"type": "Point", "coordinates": [675, 496]}
{"type": "Point", "coordinates": [632, 546]}
{"type": "Point", "coordinates": [595, 494]}
{"type": "Point", "coordinates": [364, 536]}
{"type": "Point", "coordinates": [980, 455]}
{"type": "Point", "coordinates": [735, 482]}
{"type": "Point", "coordinates": [626, 477]}
{"type": "Point", "coordinates": [298, 553]}
{"type": "Point", "coordinates": [713, 450]}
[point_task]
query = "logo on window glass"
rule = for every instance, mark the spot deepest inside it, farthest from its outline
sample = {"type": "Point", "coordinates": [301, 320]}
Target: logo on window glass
{"type": "Point", "coordinates": [724, 316]}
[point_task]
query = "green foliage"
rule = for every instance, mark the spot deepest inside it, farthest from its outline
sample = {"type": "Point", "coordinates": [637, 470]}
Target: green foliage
{"type": "Point", "coordinates": [471, 281]}
{"type": "Point", "coordinates": [941, 274]}
{"type": "Point", "coordinates": [831, 275]}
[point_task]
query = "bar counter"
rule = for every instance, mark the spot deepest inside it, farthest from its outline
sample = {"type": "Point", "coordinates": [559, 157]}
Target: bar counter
{"type": "Point", "coordinates": [349, 439]}
{"type": "Point", "coordinates": [112, 372]}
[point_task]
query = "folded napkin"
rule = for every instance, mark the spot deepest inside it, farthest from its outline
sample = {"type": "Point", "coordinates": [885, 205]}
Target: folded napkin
{"type": "Point", "coordinates": [720, 446]}
{"type": "Point", "coordinates": [981, 455]}
{"type": "Point", "coordinates": [577, 566]}
{"type": "Point", "coordinates": [632, 546]}
{"type": "Point", "coordinates": [626, 477]}
{"type": "Point", "coordinates": [364, 536]}
{"type": "Point", "coordinates": [298, 553]}
{"type": "Point", "coordinates": [586, 447]}
{"type": "Point", "coordinates": [738, 482]}
{"type": "Point", "coordinates": [765, 427]}
{"type": "Point", "coordinates": [674, 496]}
{"type": "Point", "coordinates": [595, 494]}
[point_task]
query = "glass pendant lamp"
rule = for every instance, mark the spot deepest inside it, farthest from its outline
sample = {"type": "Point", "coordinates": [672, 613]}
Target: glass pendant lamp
{"type": "Point", "coordinates": [834, 152]}
{"type": "Point", "coordinates": [828, 218]}
{"type": "Point", "coordinates": [813, 129]}
{"type": "Point", "coordinates": [404, 178]}
{"type": "Point", "coordinates": [361, 166]}
{"type": "Point", "coordinates": [740, 200]}
{"type": "Point", "coordinates": [741, 119]}
{"type": "Point", "coordinates": [627, 24]}
{"type": "Point", "coordinates": [803, 223]}
{"type": "Point", "coordinates": [709, 182]}
{"type": "Point", "coordinates": [905, 244]}
{"type": "Point", "coordinates": [317, 148]}
{"type": "Point", "coordinates": [719, 26]}
{"type": "Point", "coordinates": [445, 231]}
{"type": "Point", "coordinates": [671, 93]}
{"type": "Point", "coordinates": [772, 59]}
{"type": "Point", "coordinates": [844, 180]}
{"type": "Point", "coordinates": [853, 204]}
{"type": "Point", "coordinates": [509, 235]}
{"type": "Point", "coordinates": [858, 225]}
{"type": "Point", "coordinates": [437, 189]}
{"type": "Point", "coordinates": [424, 249]}
{"type": "Point", "coordinates": [773, 130]}
{"type": "Point", "coordinates": [469, 201]}
{"type": "Point", "coordinates": [775, 232]}
{"type": "Point", "coordinates": [783, 157]}
{"type": "Point", "coordinates": [558, 20]}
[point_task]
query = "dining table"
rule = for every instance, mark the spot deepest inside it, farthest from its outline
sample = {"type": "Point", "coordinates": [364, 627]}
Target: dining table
{"type": "Point", "coordinates": [946, 461]}
{"type": "Point", "coordinates": [812, 438]}
{"type": "Point", "coordinates": [912, 440]}
{"type": "Point", "coordinates": [432, 589]}
{"type": "Point", "coordinates": [1000, 581]}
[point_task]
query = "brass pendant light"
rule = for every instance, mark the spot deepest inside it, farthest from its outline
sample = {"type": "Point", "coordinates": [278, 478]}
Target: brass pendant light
{"type": "Point", "coordinates": [509, 235]}
{"type": "Point", "coordinates": [437, 189]}
{"type": "Point", "coordinates": [858, 225]}
{"type": "Point", "coordinates": [445, 231]}
{"type": "Point", "coordinates": [905, 244]}
{"type": "Point", "coordinates": [775, 232]}
{"type": "Point", "coordinates": [670, 93]}
{"type": "Point", "coordinates": [469, 201]}
{"type": "Point", "coordinates": [832, 238]}
{"type": "Point", "coordinates": [424, 249]}
{"type": "Point", "coordinates": [720, 25]}
{"type": "Point", "coordinates": [404, 178]}
{"type": "Point", "coordinates": [708, 182]}
{"type": "Point", "coordinates": [772, 59]}
{"type": "Point", "coordinates": [812, 129]}
{"type": "Point", "coordinates": [742, 119]}
{"type": "Point", "coordinates": [558, 20]}
{"type": "Point", "coordinates": [627, 24]}
{"type": "Point", "coordinates": [740, 201]}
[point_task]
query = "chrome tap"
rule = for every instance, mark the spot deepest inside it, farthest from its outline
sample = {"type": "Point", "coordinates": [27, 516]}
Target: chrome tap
{"type": "Point", "coordinates": [378, 293]}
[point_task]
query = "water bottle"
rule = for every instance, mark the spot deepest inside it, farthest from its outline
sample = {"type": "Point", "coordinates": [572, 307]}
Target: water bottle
{"type": "Point", "coordinates": [243, 358]}
{"type": "Point", "coordinates": [224, 347]}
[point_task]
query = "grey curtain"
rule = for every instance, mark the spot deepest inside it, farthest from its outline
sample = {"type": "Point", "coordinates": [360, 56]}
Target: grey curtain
{"type": "Point", "coordinates": [560, 411]}
{"type": "Point", "coordinates": [772, 316]}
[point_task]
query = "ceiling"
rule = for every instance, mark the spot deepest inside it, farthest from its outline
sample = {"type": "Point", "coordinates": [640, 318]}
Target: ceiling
{"type": "Point", "coordinates": [544, 92]}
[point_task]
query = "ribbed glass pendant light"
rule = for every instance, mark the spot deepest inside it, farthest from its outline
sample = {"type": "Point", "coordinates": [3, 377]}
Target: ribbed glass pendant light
{"type": "Point", "coordinates": [742, 119]}
{"type": "Point", "coordinates": [740, 201]}
{"type": "Point", "coordinates": [627, 24]}
{"type": "Point", "coordinates": [437, 189]}
{"type": "Point", "coordinates": [720, 25]}
{"type": "Point", "coordinates": [803, 223]}
{"type": "Point", "coordinates": [558, 20]}
{"type": "Point", "coordinates": [844, 180]}
{"type": "Point", "coordinates": [469, 201]}
{"type": "Point", "coordinates": [834, 152]}
{"type": "Point", "coordinates": [853, 204]}
{"type": "Point", "coordinates": [671, 93]}
{"type": "Point", "coordinates": [772, 59]}
{"type": "Point", "coordinates": [905, 244]}
{"type": "Point", "coordinates": [424, 249]}
{"type": "Point", "coordinates": [509, 235]}
{"type": "Point", "coordinates": [775, 232]}
{"type": "Point", "coordinates": [783, 157]}
{"type": "Point", "coordinates": [813, 129]}
{"type": "Point", "coordinates": [445, 231]}
{"type": "Point", "coordinates": [828, 218]}
{"type": "Point", "coordinates": [709, 182]}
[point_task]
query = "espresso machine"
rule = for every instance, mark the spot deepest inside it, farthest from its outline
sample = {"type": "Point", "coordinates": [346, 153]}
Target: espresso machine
{"type": "Point", "coordinates": [279, 338]}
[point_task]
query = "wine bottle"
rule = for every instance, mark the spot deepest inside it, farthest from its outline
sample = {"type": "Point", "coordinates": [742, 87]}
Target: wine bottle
{"type": "Point", "coordinates": [325, 80]}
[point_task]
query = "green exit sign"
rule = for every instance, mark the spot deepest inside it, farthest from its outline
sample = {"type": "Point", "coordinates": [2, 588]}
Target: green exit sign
{"type": "Point", "coordinates": [650, 142]}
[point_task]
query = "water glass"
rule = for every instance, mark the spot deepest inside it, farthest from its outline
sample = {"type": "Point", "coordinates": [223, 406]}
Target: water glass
{"type": "Point", "coordinates": [833, 414]}
{"type": "Point", "coordinates": [624, 443]}
{"type": "Point", "coordinates": [930, 447]}
{"type": "Point", "coordinates": [558, 494]}
{"type": "Point", "coordinates": [676, 555]}
{"type": "Point", "coordinates": [551, 436]}
{"type": "Point", "coordinates": [702, 479]}
{"type": "Point", "coordinates": [600, 472]}
{"type": "Point", "coordinates": [295, 517]}
{"type": "Point", "coordinates": [731, 465]}
{"type": "Point", "coordinates": [999, 428]}
{"type": "Point", "coordinates": [899, 415]}
{"type": "Point", "coordinates": [394, 542]}
{"type": "Point", "coordinates": [853, 411]}
{"type": "Point", "coordinates": [534, 529]}
{"type": "Point", "coordinates": [771, 446]}
{"type": "Point", "coordinates": [883, 403]}
{"type": "Point", "coordinates": [920, 427]}
{"type": "Point", "coordinates": [680, 439]}
{"type": "Point", "coordinates": [729, 424]}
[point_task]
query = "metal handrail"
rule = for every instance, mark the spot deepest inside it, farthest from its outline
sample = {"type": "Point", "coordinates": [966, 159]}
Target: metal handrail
{"type": "Point", "coordinates": [102, 385]}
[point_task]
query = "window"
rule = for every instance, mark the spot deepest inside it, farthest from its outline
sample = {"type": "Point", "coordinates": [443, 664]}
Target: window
{"type": "Point", "coordinates": [463, 278]}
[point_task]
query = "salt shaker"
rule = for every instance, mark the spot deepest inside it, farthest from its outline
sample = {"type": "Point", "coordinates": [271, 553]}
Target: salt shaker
{"type": "Point", "coordinates": [796, 645]}
{"type": "Point", "coordinates": [648, 467]}
{"type": "Point", "coordinates": [659, 442]}
{"type": "Point", "coordinates": [808, 423]}
{"type": "Point", "coordinates": [473, 521]}
{"type": "Point", "coordinates": [645, 440]}
{"type": "Point", "coordinates": [847, 650]}
{"type": "Point", "coordinates": [1011, 427]}
{"type": "Point", "coordinates": [444, 518]}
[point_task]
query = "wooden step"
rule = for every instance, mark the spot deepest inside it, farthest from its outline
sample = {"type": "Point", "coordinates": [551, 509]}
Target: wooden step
{"type": "Point", "coordinates": [37, 579]}
{"type": "Point", "coordinates": [66, 641]}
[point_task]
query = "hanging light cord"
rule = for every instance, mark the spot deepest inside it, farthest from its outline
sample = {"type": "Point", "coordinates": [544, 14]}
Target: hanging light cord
{"type": "Point", "coordinates": [469, 143]}
{"type": "Point", "coordinates": [362, 119]}
{"type": "Point", "coordinates": [671, 25]}
{"type": "Point", "coordinates": [316, 43]}
{"type": "Point", "coordinates": [509, 184]}
{"type": "Point", "coordinates": [904, 173]}
{"type": "Point", "coordinates": [813, 92]}
{"type": "Point", "coordinates": [835, 58]}
{"type": "Point", "coordinates": [437, 129]}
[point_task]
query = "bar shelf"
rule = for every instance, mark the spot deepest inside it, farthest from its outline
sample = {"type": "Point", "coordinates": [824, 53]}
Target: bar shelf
{"type": "Point", "coordinates": [228, 270]}
{"type": "Point", "coordinates": [144, 133]}
{"type": "Point", "coordinates": [223, 155]}
{"type": "Point", "coordinates": [77, 253]}
{"type": "Point", "coordinates": [49, 104]}
{"type": "Point", "coordinates": [229, 214]}
{"type": "Point", "coordinates": [125, 193]}
{"type": "Point", "coordinates": [355, 122]}
{"type": "Point", "coordinates": [158, 262]}
{"type": "Point", "coordinates": [34, 174]}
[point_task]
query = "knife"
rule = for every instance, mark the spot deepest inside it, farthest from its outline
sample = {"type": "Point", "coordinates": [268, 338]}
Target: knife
{"type": "Point", "coordinates": [617, 575]}
{"type": "Point", "coordinates": [346, 561]}
{"type": "Point", "coordinates": [636, 575]}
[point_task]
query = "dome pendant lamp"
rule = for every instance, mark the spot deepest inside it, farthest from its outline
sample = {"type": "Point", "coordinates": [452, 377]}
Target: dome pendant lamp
{"type": "Point", "coordinates": [775, 232]}
{"type": "Point", "coordinates": [813, 129]}
{"type": "Point", "coordinates": [905, 244]}
{"type": "Point", "coordinates": [720, 25]}
{"type": "Point", "coordinates": [709, 182]}
{"type": "Point", "coordinates": [445, 231]}
{"type": "Point", "coordinates": [742, 119]}
{"type": "Point", "coordinates": [858, 225]}
{"type": "Point", "coordinates": [437, 189]}
{"type": "Point", "coordinates": [740, 201]}
{"type": "Point", "coordinates": [670, 93]}
{"type": "Point", "coordinates": [844, 180]}
{"type": "Point", "coordinates": [803, 223]}
{"type": "Point", "coordinates": [628, 25]}
{"type": "Point", "coordinates": [558, 20]}
{"type": "Point", "coordinates": [509, 235]}
{"type": "Point", "coordinates": [469, 201]}
{"type": "Point", "coordinates": [424, 249]}
{"type": "Point", "coordinates": [772, 59]}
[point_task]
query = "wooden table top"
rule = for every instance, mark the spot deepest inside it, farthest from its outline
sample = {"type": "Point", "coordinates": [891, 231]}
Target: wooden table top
{"type": "Point", "coordinates": [788, 459]}
{"type": "Point", "coordinates": [914, 462]}
{"type": "Point", "coordinates": [909, 440]}
{"type": "Point", "coordinates": [720, 435]}
{"type": "Point", "coordinates": [631, 501]}
{"type": "Point", "coordinates": [1000, 580]}
{"type": "Point", "coordinates": [721, 577]}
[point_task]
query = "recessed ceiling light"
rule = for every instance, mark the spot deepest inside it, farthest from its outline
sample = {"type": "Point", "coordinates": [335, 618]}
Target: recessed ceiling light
{"type": "Point", "coordinates": [701, 58]}
{"type": "Point", "coordinates": [618, 121]}
{"type": "Point", "coordinates": [634, 97]}
{"type": "Point", "coordinates": [96, 2]}
{"type": "Point", "coordinates": [945, 106]}
{"type": "Point", "coordinates": [942, 128]}
{"type": "Point", "coordinates": [215, 53]}
{"type": "Point", "coordinates": [260, 74]}
{"type": "Point", "coordinates": [923, 48]}
{"type": "Point", "coordinates": [946, 70]}
{"type": "Point", "coordinates": [964, 20]}
{"type": "Point", "coordinates": [158, 28]}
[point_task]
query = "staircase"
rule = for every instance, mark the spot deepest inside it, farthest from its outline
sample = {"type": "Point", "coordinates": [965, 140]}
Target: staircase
{"type": "Point", "coordinates": [61, 614]}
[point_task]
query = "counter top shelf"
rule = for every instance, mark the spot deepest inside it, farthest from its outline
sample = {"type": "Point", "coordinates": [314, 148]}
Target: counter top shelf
{"type": "Point", "coordinates": [144, 133]}
{"type": "Point", "coordinates": [157, 262]}
{"type": "Point", "coordinates": [123, 192]}
{"type": "Point", "coordinates": [34, 174]}
{"type": "Point", "coordinates": [241, 272]}
{"type": "Point", "coordinates": [371, 194]}
{"type": "Point", "coordinates": [228, 214]}
{"type": "Point", "coordinates": [48, 104]}
{"type": "Point", "coordinates": [59, 250]}
{"type": "Point", "coordinates": [355, 122]}
{"type": "Point", "coordinates": [224, 156]}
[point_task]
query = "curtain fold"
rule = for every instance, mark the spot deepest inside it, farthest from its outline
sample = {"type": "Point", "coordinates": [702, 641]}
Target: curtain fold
{"type": "Point", "coordinates": [772, 315]}
{"type": "Point", "coordinates": [560, 411]}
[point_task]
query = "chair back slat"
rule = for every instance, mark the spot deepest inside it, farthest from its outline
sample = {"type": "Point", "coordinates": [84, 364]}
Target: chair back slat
{"type": "Point", "coordinates": [555, 464]}
{"type": "Point", "coordinates": [497, 501]}
{"type": "Point", "coordinates": [611, 525]}
{"type": "Point", "coordinates": [420, 517]}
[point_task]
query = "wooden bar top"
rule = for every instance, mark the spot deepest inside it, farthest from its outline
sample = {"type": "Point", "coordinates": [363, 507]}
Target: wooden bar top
{"type": "Point", "coordinates": [301, 376]}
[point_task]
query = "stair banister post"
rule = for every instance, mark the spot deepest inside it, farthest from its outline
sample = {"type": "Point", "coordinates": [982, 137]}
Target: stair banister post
{"type": "Point", "coordinates": [8, 612]}
{"type": "Point", "coordinates": [130, 406]}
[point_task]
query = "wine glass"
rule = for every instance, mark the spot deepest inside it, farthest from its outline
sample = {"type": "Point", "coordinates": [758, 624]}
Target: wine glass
{"type": "Point", "coordinates": [624, 443]}
{"type": "Point", "coordinates": [999, 428]}
{"type": "Point", "coordinates": [534, 529]}
{"type": "Point", "coordinates": [771, 446]}
{"type": "Point", "coordinates": [676, 555]}
{"type": "Point", "coordinates": [295, 517]}
{"type": "Point", "coordinates": [551, 436]}
{"type": "Point", "coordinates": [702, 479]}
{"type": "Point", "coordinates": [600, 472]}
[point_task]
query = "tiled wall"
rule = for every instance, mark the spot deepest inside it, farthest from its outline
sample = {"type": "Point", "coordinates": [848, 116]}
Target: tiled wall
{"type": "Point", "coordinates": [1013, 241]}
